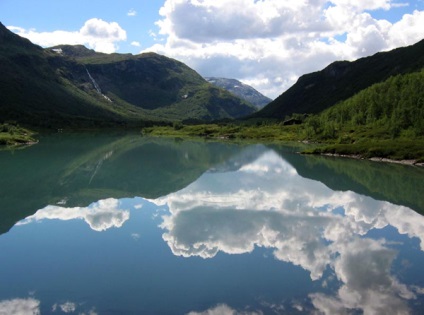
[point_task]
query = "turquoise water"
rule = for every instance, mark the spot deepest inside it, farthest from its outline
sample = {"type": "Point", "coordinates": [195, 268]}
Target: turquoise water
{"type": "Point", "coordinates": [124, 224]}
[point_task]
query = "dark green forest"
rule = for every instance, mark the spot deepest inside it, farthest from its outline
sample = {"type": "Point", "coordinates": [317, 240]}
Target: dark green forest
{"type": "Point", "coordinates": [384, 120]}
{"type": "Point", "coordinates": [394, 107]}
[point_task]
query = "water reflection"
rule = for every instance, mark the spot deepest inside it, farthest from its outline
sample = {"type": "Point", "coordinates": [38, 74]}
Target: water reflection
{"type": "Point", "coordinates": [27, 306]}
{"type": "Point", "coordinates": [364, 268]}
{"type": "Point", "coordinates": [354, 253]}
{"type": "Point", "coordinates": [31, 306]}
{"type": "Point", "coordinates": [266, 204]}
{"type": "Point", "coordinates": [100, 216]}
{"type": "Point", "coordinates": [84, 168]}
{"type": "Point", "coordinates": [224, 309]}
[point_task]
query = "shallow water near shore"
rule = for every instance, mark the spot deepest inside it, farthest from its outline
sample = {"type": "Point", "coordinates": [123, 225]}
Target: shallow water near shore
{"type": "Point", "coordinates": [123, 224]}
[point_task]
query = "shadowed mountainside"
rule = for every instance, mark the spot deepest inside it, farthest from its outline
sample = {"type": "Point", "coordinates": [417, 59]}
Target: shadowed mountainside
{"type": "Point", "coordinates": [316, 91]}
{"type": "Point", "coordinates": [72, 85]}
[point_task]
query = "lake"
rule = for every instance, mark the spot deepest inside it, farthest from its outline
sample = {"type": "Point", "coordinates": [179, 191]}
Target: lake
{"type": "Point", "coordinates": [112, 223]}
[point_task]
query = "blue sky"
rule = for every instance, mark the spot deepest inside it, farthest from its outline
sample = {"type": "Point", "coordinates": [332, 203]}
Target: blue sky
{"type": "Point", "coordinates": [267, 44]}
{"type": "Point", "coordinates": [51, 15]}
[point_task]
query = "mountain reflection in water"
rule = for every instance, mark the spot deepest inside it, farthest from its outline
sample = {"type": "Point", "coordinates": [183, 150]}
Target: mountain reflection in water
{"type": "Point", "coordinates": [260, 228]}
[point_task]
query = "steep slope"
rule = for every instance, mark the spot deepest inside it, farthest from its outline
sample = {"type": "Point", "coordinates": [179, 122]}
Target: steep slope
{"type": "Point", "coordinates": [317, 91]}
{"type": "Point", "coordinates": [166, 87]}
{"type": "Point", "coordinates": [33, 92]}
{"type": "Point", "coordinates": [241, 90]}
{"type": "Point", "coordinates": [395, 105]}
{"type": "Point", "coordinates": [73, 86]}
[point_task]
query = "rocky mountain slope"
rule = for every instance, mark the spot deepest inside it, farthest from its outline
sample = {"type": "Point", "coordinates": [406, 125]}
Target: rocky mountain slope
{"type": "Point", "coordinates": [241, 90]}
{"type": "Point", "coordinates": [314, 92]}
{"type": "Point", "coordinates": [73, 86]}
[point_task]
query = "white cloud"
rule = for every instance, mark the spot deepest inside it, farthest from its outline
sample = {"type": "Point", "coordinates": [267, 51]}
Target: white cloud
{"type": "Point", "coordinates": [400, 5]}
{"type": "Point", "coordinates": [135, 44]}
{"type": "Point", "coordinates": [100, 216]}
{"type": "Point", "coordinates": [132, 12]}
{"type": "Point", "coordinates": [28, 306]}
{"type": "Point", "coordinates": [411, 26]}
{"type": "Point", "coordinates": [278, 40]}
{"type": "Point", "coordinates": [97, 34]}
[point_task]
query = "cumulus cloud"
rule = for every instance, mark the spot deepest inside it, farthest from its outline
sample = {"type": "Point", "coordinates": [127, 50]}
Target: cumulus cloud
{"type": "Point", "coordinates": [100, 216]}
{"type": "Point", "coordinates": [97, 34]}
{"type": "Point", "coordinates": [28, 306]}
{"type": "Point", "coordinates": [271, 43]}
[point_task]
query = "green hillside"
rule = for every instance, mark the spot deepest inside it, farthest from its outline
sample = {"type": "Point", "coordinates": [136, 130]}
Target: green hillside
{"type": "Point", "coordinates": [341, 80]}
{"type": "Point", "coordinates": [32, 91]}
{"type": "Point", "coordinates": [386, 119]}
{"type": "Point", "coordinates": [68, 86]}
{"type": "Point", "coordinates": [396, 104]}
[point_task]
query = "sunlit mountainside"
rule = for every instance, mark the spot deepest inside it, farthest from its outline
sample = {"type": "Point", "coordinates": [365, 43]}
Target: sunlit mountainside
{"type": "Point", "coordinates": [73, 86]}
{"type": "Point", "coordinates": [241, 90]}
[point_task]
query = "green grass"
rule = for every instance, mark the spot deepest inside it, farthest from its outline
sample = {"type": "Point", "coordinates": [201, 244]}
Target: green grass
{"type": "Point", "coordinates": [365, 142]}
{"type": "Point", "coordinates": [268, 132]}
{"type": "Point", "coordinates": [12, 134]}
{"type": "Point", "coordinates": [396, 149]}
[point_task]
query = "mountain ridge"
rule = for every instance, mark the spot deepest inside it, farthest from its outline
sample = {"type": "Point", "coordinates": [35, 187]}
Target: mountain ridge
{"type": "Point", "coordinates": [74, 86]}
{"type": "Point", "coordinates": [316, 91]}
{"type": "Point", "coordinates": [241, 90]}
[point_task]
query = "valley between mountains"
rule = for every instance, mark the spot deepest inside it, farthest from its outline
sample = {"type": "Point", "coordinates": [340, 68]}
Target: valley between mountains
{"type": "Point", "coordinates": [371, 107]}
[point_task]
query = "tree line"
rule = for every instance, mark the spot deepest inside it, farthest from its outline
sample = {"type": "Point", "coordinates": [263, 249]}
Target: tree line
{"type": "Point", "coordinates": [395, 106]}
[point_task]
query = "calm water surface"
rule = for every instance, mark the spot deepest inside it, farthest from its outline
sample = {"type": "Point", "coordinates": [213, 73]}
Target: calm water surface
{"type": "Point", "coordinates": [124, 224]}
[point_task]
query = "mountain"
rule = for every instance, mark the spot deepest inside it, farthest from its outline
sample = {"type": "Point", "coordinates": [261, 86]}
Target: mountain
{"type": "Point", "coordinates": [316, 91]}
{"type": "Point", "coordinates": [73, 85]}
{"type": "Point", "coordinates": [241, 90]}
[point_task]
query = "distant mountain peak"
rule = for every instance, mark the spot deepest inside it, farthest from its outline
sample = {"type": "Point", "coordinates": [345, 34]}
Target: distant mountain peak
{"type": "Point", "coordinates": [74, 51]}
{"type": "Point", "coordinates": [241, 90]}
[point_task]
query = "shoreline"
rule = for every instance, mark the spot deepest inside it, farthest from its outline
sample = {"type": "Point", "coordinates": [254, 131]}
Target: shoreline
{"type": "Point", "coordinates": [376, 159]}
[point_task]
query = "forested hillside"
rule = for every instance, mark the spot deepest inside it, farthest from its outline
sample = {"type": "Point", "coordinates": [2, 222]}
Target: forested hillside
{"type": "Point", "coordinates": [384, 120]}
{"type": "Point", "coordinates": [315, 92]}
{"type": "Point", "coordinates": [396, 105]}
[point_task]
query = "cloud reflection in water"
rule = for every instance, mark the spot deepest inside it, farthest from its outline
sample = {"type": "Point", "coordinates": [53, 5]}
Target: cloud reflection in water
{"type": "Point", "coordinates": [223, 309]}
{"type": "Point", "coordinates": [27, 306]}
{"type": "Point", "coordinates": [266, 204]}
{"type": "Point", "coordinates": [100, 216]}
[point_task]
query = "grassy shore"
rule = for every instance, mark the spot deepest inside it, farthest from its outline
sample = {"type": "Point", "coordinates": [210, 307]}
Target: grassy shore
{"type": "Point", "coordinates": [267, 132]}
{"type": "Point", "coordinates": [13, 134]}
{"type": "Point", "coordinates": [364, 142]}
{"type": "Point", "coordinates": [361, 143]}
